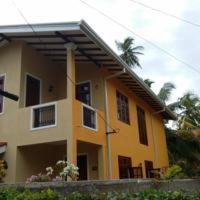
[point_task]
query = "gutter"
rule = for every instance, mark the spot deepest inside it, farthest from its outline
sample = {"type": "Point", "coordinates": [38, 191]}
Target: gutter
{"type": "Point", "coordinates": [107, 121]}
{"type": "Point", "coordinates": [155, 144]}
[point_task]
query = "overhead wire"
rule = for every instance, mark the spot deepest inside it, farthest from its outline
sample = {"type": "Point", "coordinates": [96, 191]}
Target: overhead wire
{"type": "Point", "coordinates": [166, 13]}
{"type": "Point", "coordinates": [27, 22]}
{"type": "Point", "coordinates": [141, 37]}
{"type": "Point", "coordinates": [68, 77]}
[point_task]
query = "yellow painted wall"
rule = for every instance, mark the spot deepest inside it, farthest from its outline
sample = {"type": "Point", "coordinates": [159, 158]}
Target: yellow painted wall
{"type": "Point", "coordinates": [126, 142]}
{"type": "Point", "coordinates": [16, 60]}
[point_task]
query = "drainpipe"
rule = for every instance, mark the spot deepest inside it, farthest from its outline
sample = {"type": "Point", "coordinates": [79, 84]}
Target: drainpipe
{"type": "Point", "coordinates": [154, 135]}
{"type": "Point", "coordinates": [107, 120]}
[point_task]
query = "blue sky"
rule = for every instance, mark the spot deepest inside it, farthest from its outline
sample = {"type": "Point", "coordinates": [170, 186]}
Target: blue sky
{"type": "Point", "coordinates": [178, 38]}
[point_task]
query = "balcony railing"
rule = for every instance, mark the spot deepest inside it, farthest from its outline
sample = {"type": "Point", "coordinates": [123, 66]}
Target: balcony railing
{"type": "Point", "coordinates": [43, 116]}
{"type": "Point", "coordinates": [89, 117]}
{"type": "Point", "coordinates": [131, 172]}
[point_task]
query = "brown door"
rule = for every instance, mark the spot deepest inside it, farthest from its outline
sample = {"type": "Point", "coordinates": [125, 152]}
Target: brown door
{"type": "Point", "coordinates": [82, 165]}
{"type": "Point", "coordinates": [125, 166]}
{"type": "Point", "coordinates": [149, 168]}
{"type": "Point", "coordinates": [32, 91]}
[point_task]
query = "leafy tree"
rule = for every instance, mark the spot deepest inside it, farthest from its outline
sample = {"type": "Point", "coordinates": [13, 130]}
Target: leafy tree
{"type": "Point", "coordinates": [130, 52]}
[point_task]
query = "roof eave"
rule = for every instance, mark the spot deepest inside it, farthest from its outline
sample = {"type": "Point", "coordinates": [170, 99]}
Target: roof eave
{"type": "Point", "coordinates": [69, 26]}
{"type": "Point", "coordinates": [91, 33]}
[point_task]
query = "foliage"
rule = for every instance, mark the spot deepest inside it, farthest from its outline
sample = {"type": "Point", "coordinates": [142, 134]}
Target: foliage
{"type": "Point", "coordinates": [60, 172]}
{"type": "Point", "coordinates": [2, 170]}
{"type": "Point", "coordinates": [130, 52]}
{"type": "Point", "coordinates": [165, 92]}
{"type": "Point", "coordinates": [10, 194]}
{"type": "Point", "coordinates": [184, 150]}
{"type": "Point", "coordinates": [148, 82]}
{"type": "Point", "coordinates": [67, 170]}
{"type": "Point", "coordinates": [172, 172]}
{"type": "Point", "coordinates": [188, 112]}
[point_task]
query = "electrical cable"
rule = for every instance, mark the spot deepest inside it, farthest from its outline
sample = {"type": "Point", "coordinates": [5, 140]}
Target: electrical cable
{"type": "Point", "coordinates": [141, 37]}
{"type": "Point", "coordinates": [166, 13]}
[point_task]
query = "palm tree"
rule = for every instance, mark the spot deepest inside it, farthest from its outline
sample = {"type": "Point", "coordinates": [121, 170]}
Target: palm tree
{"type": "Point", "coordinates": [189, 112]}
{"type": "Point", "coordinates": [166, 91]}
{"type": "Point", "coordinates": [148, 82]}
{"type": "Point", "coordinates": [129, 52]}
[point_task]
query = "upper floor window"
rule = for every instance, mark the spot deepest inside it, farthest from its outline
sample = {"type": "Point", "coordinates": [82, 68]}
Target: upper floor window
{"type": "Point", "coordinates": [122, 108]}
{"type": "Point", "coordinates": [83, 92]}
{"type": "Point", "coordinates": [142, 126]}
{"type": "Point", "coordinates": [2, 84]}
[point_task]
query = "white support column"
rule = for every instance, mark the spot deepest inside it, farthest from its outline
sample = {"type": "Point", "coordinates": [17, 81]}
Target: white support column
{"type": "Point", "coordinates": [71, 143]}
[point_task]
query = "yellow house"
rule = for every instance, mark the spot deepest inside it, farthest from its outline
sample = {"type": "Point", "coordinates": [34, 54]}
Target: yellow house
{"type": "Point", "coordinates": [77, 101]}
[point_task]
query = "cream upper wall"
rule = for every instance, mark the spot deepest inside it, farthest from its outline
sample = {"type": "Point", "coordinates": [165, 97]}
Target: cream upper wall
{"type": "Point", "coordinates": [50, 74]}
{"type": "Point", "coordinates": [10, 65]}
{"type": "Point", "coordinates": [89, 71]}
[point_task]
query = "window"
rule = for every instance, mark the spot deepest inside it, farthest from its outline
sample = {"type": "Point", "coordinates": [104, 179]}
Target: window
{"type": "Point", "coordinates": [2, 84]}
{"type": "Point", "coordinates": [148, 169]}
{"type": "Point", "coordinates": [142, 126]}
{"type": "Point", "coordinates": [89, 117]}
{"type": "Point", "coordinates": [83, 93]}
{"type": "Point", "coordinates": [122, 108]}
{"type": "Point", "coordinates": [125, 167]}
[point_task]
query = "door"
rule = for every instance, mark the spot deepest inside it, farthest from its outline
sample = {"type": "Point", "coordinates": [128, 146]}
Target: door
{"type": "Point", "coordinates": [32, 91]}
{"type": "Point", "coordinates": [83, 93]}
{"type": "Point", "coordinates": [125, 166]}
{"type": "Point", "coordinates": [82, 164]}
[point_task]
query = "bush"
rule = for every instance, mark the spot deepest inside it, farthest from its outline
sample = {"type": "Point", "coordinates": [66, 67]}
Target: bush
{"type": "Point", "coordinates": [2, 169]}
{"type": "Point", "coordinates": [173, 172]}
{"type": "Point", "coordinates": [60, 172]}
{"type": "Point", "coordinates": [10, 194]}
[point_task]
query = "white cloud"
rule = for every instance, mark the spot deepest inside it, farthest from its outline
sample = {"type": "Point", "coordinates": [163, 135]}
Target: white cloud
{"type": "Point", "coordinates": [172, 35]}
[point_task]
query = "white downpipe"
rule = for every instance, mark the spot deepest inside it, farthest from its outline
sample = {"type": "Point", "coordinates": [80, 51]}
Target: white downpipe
{"type": "Point", "coordinates": [154, 136]}
{"type": "Point", "coordinates": [108, 121]}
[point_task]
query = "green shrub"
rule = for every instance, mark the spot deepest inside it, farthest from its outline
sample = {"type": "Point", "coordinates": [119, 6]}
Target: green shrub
{"type": "Point", "coordinates": [173, 172]}
{"type": "Point", "coordinates": [10, 194]}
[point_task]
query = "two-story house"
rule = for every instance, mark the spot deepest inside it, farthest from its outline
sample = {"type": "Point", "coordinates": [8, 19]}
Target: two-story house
{"type": "Point", "coordinates": [77, 101]}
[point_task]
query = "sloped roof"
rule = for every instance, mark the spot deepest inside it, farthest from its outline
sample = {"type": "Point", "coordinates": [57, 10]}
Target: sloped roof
{"type": "Point", "coordinates": [49, 39]}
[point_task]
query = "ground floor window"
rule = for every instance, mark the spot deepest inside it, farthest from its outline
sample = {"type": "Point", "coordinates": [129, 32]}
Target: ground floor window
{"type": "Point", "coordinates": [148, 169]}
{"type": "Point", "coordinates": [125, 165]}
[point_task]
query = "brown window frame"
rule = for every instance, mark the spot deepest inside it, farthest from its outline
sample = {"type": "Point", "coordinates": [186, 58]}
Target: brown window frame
{"type": "Point", "coordinates": [148, 168]}
{"type": "Point", "coordinates": [122, 108]}
{"type": "Point", "coordinates": [142, 129]}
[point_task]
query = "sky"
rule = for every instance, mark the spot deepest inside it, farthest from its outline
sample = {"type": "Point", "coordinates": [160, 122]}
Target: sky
{"type": "Point", "coordinates": [174, 36]}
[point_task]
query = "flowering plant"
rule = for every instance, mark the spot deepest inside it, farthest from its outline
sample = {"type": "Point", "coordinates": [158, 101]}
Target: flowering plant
{"type": "Point", "coordinates": [67, 170]}
{"type": "Point", "coordinates": [61, 171]}
{"type": "Point", "coordinates": [2, 170]}
{"type": "Point", "coordinates": [39, 178]}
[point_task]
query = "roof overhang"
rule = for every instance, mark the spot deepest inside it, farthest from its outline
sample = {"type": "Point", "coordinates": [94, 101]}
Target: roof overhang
{"type": "Point", "coordinates": [49, 39]}
{"type": "Point", "coordinates": [3, 146]}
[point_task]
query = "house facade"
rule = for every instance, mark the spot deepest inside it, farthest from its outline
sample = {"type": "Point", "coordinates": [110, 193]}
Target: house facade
{"type": "Point", "coordinates": [77, 101]}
